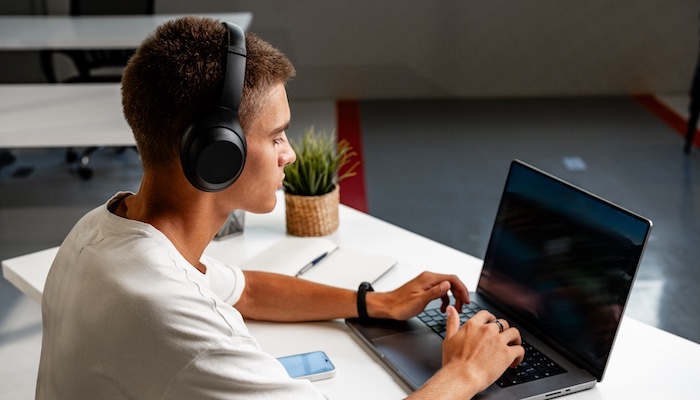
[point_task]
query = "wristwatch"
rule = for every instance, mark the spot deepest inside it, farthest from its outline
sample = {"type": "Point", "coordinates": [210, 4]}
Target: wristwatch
{"type": "Point", "coordinates": [361, 299]}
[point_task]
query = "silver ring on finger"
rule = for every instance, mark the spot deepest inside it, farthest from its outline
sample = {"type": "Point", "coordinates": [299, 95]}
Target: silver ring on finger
{"type": "Point", "coordinates": [500, 325]}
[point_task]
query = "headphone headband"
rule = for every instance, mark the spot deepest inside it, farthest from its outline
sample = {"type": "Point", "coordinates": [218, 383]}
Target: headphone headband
{"type": "Point", "coordinates": [235, 62]}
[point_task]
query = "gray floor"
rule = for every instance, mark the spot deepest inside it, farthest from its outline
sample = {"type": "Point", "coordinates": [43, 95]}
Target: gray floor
{"type": "Point", "coordinates": [433, 167]}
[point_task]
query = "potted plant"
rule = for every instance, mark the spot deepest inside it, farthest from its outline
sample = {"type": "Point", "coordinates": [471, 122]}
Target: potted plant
{"type": "Point", "coordinates": [312, 193]}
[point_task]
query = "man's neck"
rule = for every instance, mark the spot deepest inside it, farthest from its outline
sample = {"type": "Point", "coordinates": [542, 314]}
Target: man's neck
{"type": "Point", "coordinates": [187, 217]}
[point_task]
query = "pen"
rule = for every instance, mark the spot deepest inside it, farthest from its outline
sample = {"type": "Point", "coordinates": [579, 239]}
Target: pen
{"type": "Point", "coordinates": [311, 264]}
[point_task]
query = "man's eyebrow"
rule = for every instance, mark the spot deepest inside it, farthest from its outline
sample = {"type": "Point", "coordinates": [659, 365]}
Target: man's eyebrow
{"type": "Point", "coordinates": [280, 129]}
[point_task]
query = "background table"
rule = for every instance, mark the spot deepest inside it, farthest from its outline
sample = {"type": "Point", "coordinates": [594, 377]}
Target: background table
{"type": "Point", "coordinates": [646, 362]}
{"type": "Point", "coordinates": [74, 115]}
{"type": "Point", "coordinates": [46, 115]}
{"type": "Point", "coordinates": [38, 32]}
{"type": "Point", "coordinates": [43, 116]}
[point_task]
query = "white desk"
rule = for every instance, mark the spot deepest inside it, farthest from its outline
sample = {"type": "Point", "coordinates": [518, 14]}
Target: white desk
{"type": "Point", "coordinates": [39, 32]}
{"type": "Point", "coordinates": [646, 362]}
{"type": "Point", "coordinates": [78, 115]}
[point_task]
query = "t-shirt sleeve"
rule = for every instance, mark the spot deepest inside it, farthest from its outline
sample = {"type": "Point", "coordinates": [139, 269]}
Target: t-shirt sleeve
{"type": "Point", "coordinates": [225, 281]}
{"type": "Point", "coordinates": [236, 368]}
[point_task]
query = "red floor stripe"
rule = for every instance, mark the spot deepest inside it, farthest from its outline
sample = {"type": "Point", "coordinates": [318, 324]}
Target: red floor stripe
{"type": "Point", "coordinates": [666, 114]}
{"type": "Point", "coordinates": [352, 190]}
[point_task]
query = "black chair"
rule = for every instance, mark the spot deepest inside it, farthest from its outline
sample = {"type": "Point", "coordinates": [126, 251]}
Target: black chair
{"type": "Point", "coordinates": [6, 158]}
{"type": "Point", "coordinates": [694, 108]}
{"type": "Point", "coordinates": [88, 63]}
{"type": "Point", "coordinates": [93, 65]}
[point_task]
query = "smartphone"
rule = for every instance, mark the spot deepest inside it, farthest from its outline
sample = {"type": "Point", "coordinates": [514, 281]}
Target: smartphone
{"type": "Point", "coordinates": [313, 366]}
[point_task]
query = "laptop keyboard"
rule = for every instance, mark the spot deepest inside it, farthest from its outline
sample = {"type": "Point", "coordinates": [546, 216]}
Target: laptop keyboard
{"type": "Point", "coordinates": [535, 365]}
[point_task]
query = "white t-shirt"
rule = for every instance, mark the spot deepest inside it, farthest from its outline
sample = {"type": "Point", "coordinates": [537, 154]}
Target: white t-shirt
{"type": "Point", "coordinates": [125, 316]}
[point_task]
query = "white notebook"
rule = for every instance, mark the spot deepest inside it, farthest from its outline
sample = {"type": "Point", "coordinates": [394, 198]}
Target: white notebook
{"type": "Point", "coordinates": [341, 266]}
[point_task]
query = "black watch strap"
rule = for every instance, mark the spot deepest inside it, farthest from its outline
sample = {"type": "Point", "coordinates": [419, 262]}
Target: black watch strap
{"type": "Point", "coordinates": [362, 299]}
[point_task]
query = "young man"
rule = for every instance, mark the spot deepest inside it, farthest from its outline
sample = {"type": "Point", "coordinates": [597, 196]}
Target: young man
{"type": "Point", "coordinates": [132, 309]}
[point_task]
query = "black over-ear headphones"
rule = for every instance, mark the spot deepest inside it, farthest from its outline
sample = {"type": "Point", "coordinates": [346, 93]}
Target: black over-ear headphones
{"type": "Point", "coordinates": [213, 149]}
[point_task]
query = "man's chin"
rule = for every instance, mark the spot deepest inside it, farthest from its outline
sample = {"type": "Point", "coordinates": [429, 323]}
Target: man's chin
{"type": "Point", "coordinates": [263, 208]}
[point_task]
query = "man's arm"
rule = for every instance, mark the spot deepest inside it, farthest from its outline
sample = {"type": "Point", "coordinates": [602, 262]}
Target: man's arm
{"type": "Point", "coordinates": [274, 297]}
{"type": "Point", "coordinates": [473, 356]}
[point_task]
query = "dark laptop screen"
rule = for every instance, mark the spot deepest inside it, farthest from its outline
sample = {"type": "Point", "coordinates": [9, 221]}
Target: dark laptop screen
{"type": "Point", "coordinates": [564, 261]}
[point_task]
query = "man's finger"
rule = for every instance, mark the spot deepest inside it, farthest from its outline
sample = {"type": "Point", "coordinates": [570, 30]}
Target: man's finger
{"type": "Point", "coordinates": [452, 326]}
{"type": "Point", "coordinates": [483, 317]}
{"type": "Point", "coordinates": [512, 335]}
{"type": "Point", "coordinates": [437, 291]}
{"type": "Point", "coordinates": [518, 353]}
{"type": "Point", "coordinates": [459, 290]}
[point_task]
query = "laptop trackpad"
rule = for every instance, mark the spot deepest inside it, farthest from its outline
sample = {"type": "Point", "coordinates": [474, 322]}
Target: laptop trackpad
{"type": "Point", "coordinates": [415, 355]}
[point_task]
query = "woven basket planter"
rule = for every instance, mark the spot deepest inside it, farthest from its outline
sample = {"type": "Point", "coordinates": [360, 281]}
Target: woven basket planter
{"type": "Point", "coordinates": [312, 215]}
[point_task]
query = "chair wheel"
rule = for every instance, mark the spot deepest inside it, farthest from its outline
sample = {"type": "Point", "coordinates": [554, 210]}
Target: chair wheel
{"type": "Point", "coordinates": [71, 156]}
{"type": "Point", "coordinates": [85, 173]}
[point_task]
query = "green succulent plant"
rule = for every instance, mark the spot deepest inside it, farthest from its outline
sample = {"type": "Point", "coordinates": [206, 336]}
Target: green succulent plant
{"type": "Point", "coordinates": [319, 161]}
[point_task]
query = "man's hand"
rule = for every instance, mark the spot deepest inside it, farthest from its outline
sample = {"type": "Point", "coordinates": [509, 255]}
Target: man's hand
{"type": "Point", "coordinates": [411, 298]}
{"type": "Point", "coordinates": [481, 348]}
{"type": "Point", "coordinates": [473, 357]}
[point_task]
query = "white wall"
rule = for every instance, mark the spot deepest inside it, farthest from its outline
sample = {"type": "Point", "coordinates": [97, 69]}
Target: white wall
{"type": "Point", "coordinates": [419, 48]}
{"type": "Point", "coordinates": [498, 48]}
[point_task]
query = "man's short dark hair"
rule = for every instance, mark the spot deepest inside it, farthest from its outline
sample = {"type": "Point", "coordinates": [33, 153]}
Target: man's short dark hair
{"type": "Point", "coordinates": [176, 76]}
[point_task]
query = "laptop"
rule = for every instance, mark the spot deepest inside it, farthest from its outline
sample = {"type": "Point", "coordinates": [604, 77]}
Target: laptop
{"type": "Point", "coordinates": [559, 266]}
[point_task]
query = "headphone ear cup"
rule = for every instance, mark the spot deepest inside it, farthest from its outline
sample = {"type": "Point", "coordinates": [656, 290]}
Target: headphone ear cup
{"type": "Point", "coordinates": [213, 152]}
{"type": "Point", "coordinates": [213, 149]}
